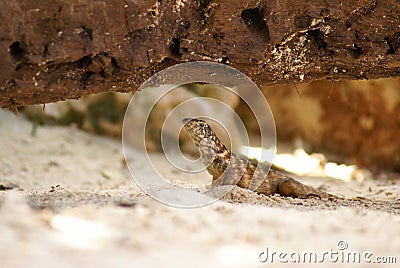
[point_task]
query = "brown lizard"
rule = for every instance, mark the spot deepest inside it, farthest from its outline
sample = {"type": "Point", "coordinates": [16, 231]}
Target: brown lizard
{"type": "Point", "coordinates": [228, 168]}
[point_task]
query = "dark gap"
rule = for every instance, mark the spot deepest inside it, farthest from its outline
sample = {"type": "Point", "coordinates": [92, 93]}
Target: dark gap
{"type": "Point", "coordinates": [19, 66]}
{"type": "Point", "coordinates": [16, 50]}
{"type": "Point", "coordinates": [86, 33]}
{"type": "Point", "coordinates": [84, 62]}
{"type": "Point", "coordinates": [175, 47]}
{"type": "Point", "coordinates": [302, 22]}
{"type": "Point", "coordinates": [356, 51]}
{"type": "Point", "coordinates": [216, 36]}
{"type": "Point", "coordinates": [103, 73]}
{"type": "Point", "coordinates": [203, 3]}
{"type": "Point", "coordinates": [316, 35]}
{"type": "Point", "coordinates": [85, 77]}
{"type": "Point", "coordinates": [11, 83]}
{"type": "Point", "coordinates": [393, 42]}
{"type": "Point", "coordinates": [45, 51]}
{"type": "Point", "coordinates": [356, 35]}
{"type": "Point", "coordinates": [254, 20]}
{"type": "Point", "coordinates": [114, 63]}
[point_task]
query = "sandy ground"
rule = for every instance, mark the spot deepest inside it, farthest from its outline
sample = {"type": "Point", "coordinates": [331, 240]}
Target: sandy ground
{"type": "Point", "coordinates": [67, 199]}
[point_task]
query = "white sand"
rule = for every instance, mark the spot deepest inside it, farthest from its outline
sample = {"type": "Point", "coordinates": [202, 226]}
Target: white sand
{"type": "Point", "coordinates": [97, 216]}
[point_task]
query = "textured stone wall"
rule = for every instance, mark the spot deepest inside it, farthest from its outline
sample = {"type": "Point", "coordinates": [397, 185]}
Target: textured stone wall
{"type": "Point", "coordinates": [52, 50]}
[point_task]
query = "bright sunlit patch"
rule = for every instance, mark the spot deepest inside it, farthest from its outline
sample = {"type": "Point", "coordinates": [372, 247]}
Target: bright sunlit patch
{"type": "Point", "coordinates": [258, 153]}
{"type": "Point", "coordinates": [79, 233]}
{"type": "Point", "coordinates": [342, 172]}
{"type": "Point", "coordinates": [300, 162]}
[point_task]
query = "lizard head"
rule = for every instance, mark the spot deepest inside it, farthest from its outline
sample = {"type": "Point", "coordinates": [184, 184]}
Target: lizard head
{"type": "Point", "coordinates": [213, 152]}
{"type": "Point", "coordinates": [198, 130]}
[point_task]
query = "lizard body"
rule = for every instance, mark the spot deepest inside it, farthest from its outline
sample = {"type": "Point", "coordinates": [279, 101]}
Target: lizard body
{"type": "Point", "coordinates": [228, 168]}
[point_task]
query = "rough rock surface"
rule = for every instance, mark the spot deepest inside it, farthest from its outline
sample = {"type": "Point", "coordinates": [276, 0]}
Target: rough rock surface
{"type": "Point", "coordinates": [54, 50]}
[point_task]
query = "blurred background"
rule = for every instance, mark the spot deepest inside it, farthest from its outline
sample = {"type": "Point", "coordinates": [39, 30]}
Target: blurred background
{"type": "Point", "coordinates": [355, 123]}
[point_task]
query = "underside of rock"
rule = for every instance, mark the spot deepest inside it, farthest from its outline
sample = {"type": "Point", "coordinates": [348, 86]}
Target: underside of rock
{"type": "Point", "coordinates": [53, 50]}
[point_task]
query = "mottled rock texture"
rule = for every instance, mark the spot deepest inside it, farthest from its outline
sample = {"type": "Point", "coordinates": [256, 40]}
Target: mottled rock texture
{"type": "Point", "coordinates": [52, 50]}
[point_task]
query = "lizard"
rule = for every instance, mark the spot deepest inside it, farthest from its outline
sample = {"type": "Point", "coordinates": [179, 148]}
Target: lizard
{"type": "Point", "coordinates": [228, 168]}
